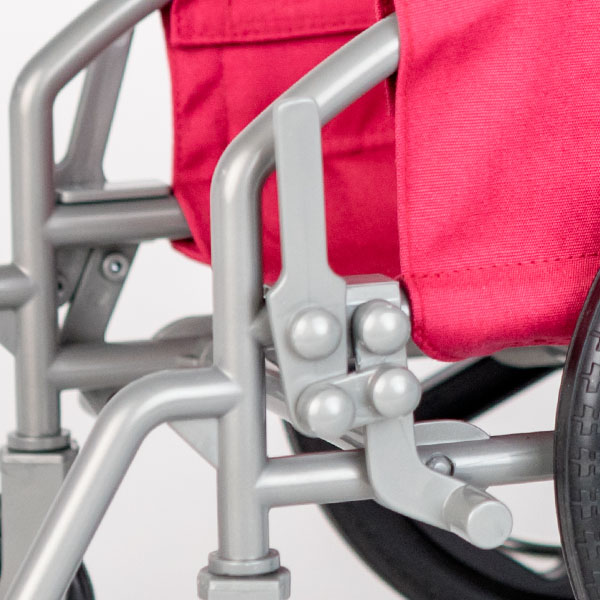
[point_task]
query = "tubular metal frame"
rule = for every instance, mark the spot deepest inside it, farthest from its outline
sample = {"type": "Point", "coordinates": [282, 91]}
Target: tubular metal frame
{"type": "Point", "coordinates": [231, 392]}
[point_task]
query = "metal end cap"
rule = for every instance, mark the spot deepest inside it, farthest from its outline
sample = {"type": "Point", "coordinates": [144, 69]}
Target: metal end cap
{"type": "Point", "coordinates": [478, 517]}
{"type": "Point", "coordinates": [381, 327]}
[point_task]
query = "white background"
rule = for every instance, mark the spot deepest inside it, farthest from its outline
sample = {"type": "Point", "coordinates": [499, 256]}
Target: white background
{"type": "Point", "coordinates": [161, 525]}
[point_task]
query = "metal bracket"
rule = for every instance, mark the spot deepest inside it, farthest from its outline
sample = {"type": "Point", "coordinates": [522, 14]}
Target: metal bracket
{"type": "Point", "coordinates": [307, 310]}
{"type": "Point", "coordinates": [399, 478]}
{"type": "Point", "coordinates": [200, 434]}
{"type": "Point", "coordinates": [307, 305]}
{"type": "Point", "coordinates": [403, 483]}
{"type": "Point", "coordinates": [100, 285]}
{"type": "Point", "coordinates": [112, 192]}
{"type": "Point", "coordinates": [70, 263]}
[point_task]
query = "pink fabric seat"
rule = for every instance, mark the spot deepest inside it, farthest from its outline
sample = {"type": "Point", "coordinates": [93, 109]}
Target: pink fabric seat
{"type": "Point", "coordinates": [478, 189]}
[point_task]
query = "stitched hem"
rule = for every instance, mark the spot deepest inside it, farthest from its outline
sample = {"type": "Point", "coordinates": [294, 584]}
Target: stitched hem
{"type": "Point", "coordinates": [531, 303]}
{"type": "Point", "coordinates": [508, 265]}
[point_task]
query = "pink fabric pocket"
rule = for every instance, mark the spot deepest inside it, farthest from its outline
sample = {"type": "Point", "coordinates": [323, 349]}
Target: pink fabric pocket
{"type": "Point", "coordinates": [497, 110]}
{"type": "Point", "coordinates": [229, 61]}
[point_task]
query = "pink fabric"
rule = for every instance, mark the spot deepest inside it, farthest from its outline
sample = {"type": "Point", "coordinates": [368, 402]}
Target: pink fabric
{"type": "Point", "coordinates": [498, 149]}
{"type": "Point", "coordinates": [229, 61]}
{"type": "Point", "coordinates": [488, 211]}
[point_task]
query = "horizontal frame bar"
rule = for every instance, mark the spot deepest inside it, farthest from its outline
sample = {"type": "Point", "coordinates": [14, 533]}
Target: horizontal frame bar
{"type": "Point", "coordinates": [15, 287]}
{"type": "Point", "coordinates": [341, 476]}
{"type": "Point", "coordinates": [102, 223]}
{"type": "Point", "coordinates": [499, 460]}
{"type": "Point", "coordinates": [92, 366]}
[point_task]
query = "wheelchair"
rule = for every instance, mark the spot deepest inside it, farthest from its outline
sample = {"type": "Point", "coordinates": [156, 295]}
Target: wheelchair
{"type": "Point", "coordinates": [315, 318]}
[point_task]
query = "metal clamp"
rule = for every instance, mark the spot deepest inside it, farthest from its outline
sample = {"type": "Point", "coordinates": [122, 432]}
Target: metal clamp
{"type": "Point", "coordinates": [312, 310]}
{"type": "Point", "coordinates": [403, 483]}
{"type": "Point", "coordinates": [399, 478]}
{"type": "Point", "coordinates": [307, 305]}
{"type": "Point", "coordinates": [307, 310]}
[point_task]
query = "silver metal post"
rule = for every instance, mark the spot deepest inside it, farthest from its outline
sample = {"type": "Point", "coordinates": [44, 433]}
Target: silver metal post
{"type": "Point", "coordinates": [238, 297]}
{"type": "Point", "coordinates": [32, 172]}
{"type": "Point", "coordinates": [96, 474]}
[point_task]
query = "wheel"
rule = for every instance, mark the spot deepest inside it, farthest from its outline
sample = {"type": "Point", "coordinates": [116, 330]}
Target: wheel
{"type": "Point", "coordinates": [81, 586]}
{"type": "Point", "coordinates": [425, 563]}
{"type": "Point", "coordinates": [577, 452]}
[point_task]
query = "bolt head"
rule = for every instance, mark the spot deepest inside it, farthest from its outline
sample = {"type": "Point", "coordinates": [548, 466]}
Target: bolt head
{"type": "Point", "coordinates": [441, 464]}
{"type": "Point", "coordinates": [395, 392]}
{"type": "Point", "coordinates": [315, 333]}
{"type": "Point", "coordinates": [381, 327]}
{"type": "Point", "coordinates": [115, 267]}
{"type": "Point", "coordinates": [326, 411]}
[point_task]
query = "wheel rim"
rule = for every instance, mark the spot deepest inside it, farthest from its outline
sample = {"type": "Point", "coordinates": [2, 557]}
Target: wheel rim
{"type": "Point", "coordinates": [576, 445]}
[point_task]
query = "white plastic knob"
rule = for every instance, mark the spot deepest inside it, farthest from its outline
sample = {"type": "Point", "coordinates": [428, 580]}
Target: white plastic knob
{"type": "Point", "coordinates": [478, 517]}
{"type": "Point", "coordinates": [315, 333]}
{"type": "Point", "coordinates": [326, 411]}
{"type": "Point", "coordinates": [394, 392]}
{"type": "Point", "coordinates": [381, 327]}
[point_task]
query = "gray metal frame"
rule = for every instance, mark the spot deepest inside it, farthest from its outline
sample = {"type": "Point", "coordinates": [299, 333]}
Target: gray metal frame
{"type": "Point", "coordinates": [76, 232]}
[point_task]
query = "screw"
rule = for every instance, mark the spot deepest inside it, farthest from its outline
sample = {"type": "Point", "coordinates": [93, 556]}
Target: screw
{"type": "Point", "coordinates": [115, 267]}
{"type": "Point", "coordinates": [441, 464]}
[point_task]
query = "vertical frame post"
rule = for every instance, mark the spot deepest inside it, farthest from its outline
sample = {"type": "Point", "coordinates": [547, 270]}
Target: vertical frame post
{"type": "Point", "coordinates": [33, 197]}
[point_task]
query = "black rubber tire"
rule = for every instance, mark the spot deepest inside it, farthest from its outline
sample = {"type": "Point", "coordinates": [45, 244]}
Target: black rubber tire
{"type": "Point", "coordinates": [425, 563]}
{"type": "Point", "coordinates": [577, 452]}
{"type": "Point", "coordinates": [81, 586]}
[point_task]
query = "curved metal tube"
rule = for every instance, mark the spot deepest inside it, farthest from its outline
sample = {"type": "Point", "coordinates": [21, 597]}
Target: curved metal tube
{"type": "Point", "coordinates": [32, 175]}
{"type": "Point", "coordinates": [102, 463]}
{"type": "Point", "coordinates": [238, 292]}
